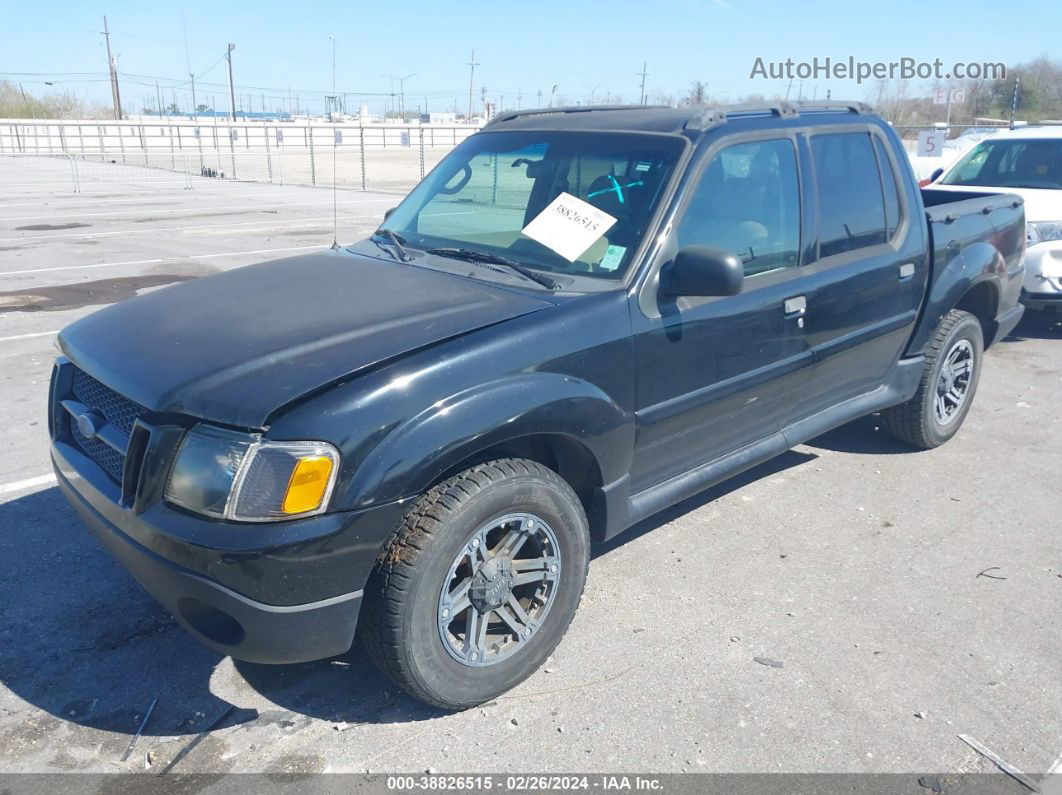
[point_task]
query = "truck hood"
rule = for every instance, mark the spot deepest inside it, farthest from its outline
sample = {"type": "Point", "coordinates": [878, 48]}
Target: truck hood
{"type": "Point", "coordinates": [237, 346]}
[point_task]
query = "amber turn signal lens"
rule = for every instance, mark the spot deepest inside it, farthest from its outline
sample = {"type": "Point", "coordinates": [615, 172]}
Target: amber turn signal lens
{"type": "Point", "coordinates": [308, 484]}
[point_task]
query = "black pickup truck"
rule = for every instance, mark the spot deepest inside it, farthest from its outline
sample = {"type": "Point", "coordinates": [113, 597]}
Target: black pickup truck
{"type": "Point", "coordinates": [580, 317]}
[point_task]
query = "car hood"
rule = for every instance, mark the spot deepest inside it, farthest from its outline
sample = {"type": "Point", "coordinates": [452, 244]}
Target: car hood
{"type": "Point", "coordinates": [237, 346]}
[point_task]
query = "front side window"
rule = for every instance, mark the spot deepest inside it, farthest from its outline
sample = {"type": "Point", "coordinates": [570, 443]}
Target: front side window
{"type": "Point", "coordinates": [851, 203]}
{"type": "Point", "coordinates": [487, 191]}
{"type": "Point", "coordinates": [747, 202]}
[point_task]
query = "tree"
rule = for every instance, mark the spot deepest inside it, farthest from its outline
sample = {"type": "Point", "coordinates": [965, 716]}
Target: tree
{"type": "Point", "coordinates": [201, 108]}
{"type": "Point", "coordinates": [698, 94]}
{"type": "Point", "coordinates": [172, 108]}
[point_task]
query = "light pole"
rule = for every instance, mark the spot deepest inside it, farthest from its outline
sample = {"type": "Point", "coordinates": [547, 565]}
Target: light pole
{"type": "Point", "coordinates": [551, 93]}
{"type": "Point", "coordinates": [232, 92]}
{"type": "Point", "coordinates": [594, 91]}
{"type": "Point", "coordinates": [391, 96]}
{"type": "Point", "coordinates": [331, 112]}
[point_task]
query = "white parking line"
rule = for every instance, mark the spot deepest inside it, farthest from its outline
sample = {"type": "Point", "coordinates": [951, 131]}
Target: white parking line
{"type": "Point", "coordinates": [136, 196]}
{"type": "Point", "coordinates": [28, 336]}
{"type": "Point", "coordinates": [1056, 767]}
{"type": "Point", "coordinates": [163, 259]}
{"type": "Point", "coordinates": [28, 483]}
{"type": "Point", "coordinates": [150, 230]}
{"type": "Point", "coordinates": [326, 201]}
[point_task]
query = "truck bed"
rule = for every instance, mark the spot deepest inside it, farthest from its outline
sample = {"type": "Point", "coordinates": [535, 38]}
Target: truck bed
{"type": "Point", "coordinates": [958, 218]}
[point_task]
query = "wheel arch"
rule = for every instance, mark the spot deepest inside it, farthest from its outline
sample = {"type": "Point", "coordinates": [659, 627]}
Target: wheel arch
{"type": "Point", "coordinates": [981, 300]}
{"type": "Point", "coordinates": [969, 281]}
{"type": "Point", "coordinates": [566, 424]}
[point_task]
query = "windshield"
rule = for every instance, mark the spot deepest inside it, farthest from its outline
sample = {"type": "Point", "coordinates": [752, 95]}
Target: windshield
{"type": "Point", "coordinates": [1010, 163]}
{"type": "Point", "coordinates": [562, 202]}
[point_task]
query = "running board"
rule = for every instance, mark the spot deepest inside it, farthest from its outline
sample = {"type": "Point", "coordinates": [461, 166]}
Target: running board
{"type": "Point", "coordinates": [901, 384]}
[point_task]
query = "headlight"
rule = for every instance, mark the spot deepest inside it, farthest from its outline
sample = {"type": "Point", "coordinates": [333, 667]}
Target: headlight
{"type": "Point", "coordinates": [237, 476]}
{"type": "Point", "coordinates": [1042, 231]}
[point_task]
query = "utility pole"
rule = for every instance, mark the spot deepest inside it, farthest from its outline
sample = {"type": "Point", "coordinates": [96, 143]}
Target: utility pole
{"type": "Point", "coordinates": [195, 107]}
{"type": "Point", "coordinates": [232, 92]}
{"type": "Point", "coordinates": [402, 94]}
{"type": "Point", "coordinates": [471, 77]}
{"type": "Point", "coordinates": [116, 97]}
{"type": "Point", "coordinates": [159, 95]}
{"type": "Point", "coordinates": [1014, 101]}
{"type": "Point", "coordinates": [644, 74]}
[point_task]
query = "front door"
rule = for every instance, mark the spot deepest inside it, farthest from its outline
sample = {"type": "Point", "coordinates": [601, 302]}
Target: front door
{"type": "Point", "coordinates": [716, 374]}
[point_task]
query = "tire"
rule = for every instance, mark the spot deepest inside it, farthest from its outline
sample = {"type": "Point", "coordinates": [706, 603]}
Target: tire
{"type": "Point", "coordinates": [918, 422]}
{"type": "Point", "coordinates": [403, 623]}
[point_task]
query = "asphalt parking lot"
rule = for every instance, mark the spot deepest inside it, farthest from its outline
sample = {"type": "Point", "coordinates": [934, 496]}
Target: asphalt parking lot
{"type": "Point", "coordinates": [910, 596]}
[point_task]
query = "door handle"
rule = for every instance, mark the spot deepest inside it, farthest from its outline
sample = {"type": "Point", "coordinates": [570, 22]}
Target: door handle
{"type": "Point", "coordinates": [796, 306]}
{"type": "Point", "coordinates": [907, 270]}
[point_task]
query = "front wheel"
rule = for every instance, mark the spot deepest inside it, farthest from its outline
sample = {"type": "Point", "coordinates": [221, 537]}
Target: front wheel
{"type": "Point", "coordinates": [946, 391]}
{"type": "Point", "coordinates": [479, 583]}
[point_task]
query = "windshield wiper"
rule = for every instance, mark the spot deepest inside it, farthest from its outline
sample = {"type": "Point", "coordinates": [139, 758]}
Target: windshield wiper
{"type": "Point", "coordinates": [472, 255]}
{"type": "Point", "coordinates": [396, 243]}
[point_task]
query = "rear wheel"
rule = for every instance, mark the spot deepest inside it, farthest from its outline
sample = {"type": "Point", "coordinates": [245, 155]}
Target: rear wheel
{"type": "Point", "coordinates": [946, 391]}
{"type": "Point", "coordinates": [479, 583]}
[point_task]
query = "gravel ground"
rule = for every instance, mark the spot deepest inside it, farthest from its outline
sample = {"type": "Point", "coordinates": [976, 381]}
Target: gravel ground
{"type": "Point", "coordinates": [851, 560]}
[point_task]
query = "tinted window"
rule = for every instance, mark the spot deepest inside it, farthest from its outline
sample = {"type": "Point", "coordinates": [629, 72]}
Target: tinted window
{"type": "Point", "coordinates": [747, 202]}
{"type": "Point", "coordinates": [851, 208]}
{"type": "Point", "coordinates": [1004, 163]}
{"type": "Point", "coordinates": [892, 195]}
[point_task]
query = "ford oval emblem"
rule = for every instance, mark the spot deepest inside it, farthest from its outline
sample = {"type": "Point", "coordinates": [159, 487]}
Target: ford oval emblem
{"type": "Point", "coordinates": [89, 424]}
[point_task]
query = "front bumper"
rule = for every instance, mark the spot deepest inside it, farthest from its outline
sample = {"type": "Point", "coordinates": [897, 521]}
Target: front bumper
{"type": "Point", "coordinates": [283, 593]}
{"type": "Point", "coordinates": [1042, 300]}
{"type": "Point", "coordinates": [1042, 288]}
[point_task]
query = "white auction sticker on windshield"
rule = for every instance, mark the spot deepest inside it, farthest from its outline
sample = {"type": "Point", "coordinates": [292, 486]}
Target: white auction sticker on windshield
{"type": "Point", "coordinates": [569, 226]}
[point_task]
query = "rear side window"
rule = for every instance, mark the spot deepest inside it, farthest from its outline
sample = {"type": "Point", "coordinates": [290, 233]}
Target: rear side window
{"type": "Point", "coordinates": [851, 204]}
{"type": "Point", "coordinates": [892, 194]}
{"type": "Point", "coordinates": [747, 202]}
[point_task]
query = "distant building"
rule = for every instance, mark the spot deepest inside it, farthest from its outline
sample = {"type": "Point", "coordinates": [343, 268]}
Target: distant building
{"type": "Point", "coordinates": [438, 118]}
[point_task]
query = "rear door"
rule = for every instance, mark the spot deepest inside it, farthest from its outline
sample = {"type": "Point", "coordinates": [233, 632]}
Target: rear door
{"type": "Point", "coordinates": [867, 276]}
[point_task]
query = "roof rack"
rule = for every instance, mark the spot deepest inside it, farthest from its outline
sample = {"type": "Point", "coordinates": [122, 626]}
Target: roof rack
{"type": "Point", "coordinates": [786, 110]}
{"type": "Point", "coordinates": [515, 114]}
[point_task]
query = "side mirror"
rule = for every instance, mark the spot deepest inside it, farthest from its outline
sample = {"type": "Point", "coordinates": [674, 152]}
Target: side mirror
{"type": "Point", "coordinates": [936, 174]}
{"type": "Point", "coordinates": [387, 213]}
{"type": "Point", "coordinates": [700, 270]}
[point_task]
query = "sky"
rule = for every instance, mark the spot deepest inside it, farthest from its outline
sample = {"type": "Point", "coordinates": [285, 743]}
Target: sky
{"type": "Point", "coordinates": [586, 49]}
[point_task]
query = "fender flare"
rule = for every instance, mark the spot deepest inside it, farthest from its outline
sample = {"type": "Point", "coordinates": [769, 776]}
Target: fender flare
{"type": "Point", "coordinates": [976, 264]}
{"type": "Point", "coordinates": [456, 428]}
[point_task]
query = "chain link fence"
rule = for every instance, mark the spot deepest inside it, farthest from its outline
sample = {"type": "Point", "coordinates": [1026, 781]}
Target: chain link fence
{"type": "Point", "coordinates": [388, 158]}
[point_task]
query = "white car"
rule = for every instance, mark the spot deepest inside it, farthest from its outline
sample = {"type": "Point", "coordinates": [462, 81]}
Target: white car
{"type": "Point", "coordinates": [1028, 162]}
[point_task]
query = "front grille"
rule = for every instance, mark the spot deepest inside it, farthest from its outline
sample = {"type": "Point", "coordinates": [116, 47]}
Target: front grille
{"type": "Point", "coordinates": [119, 411]}
{"type": "Point", "coordinates": [110, 460]}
